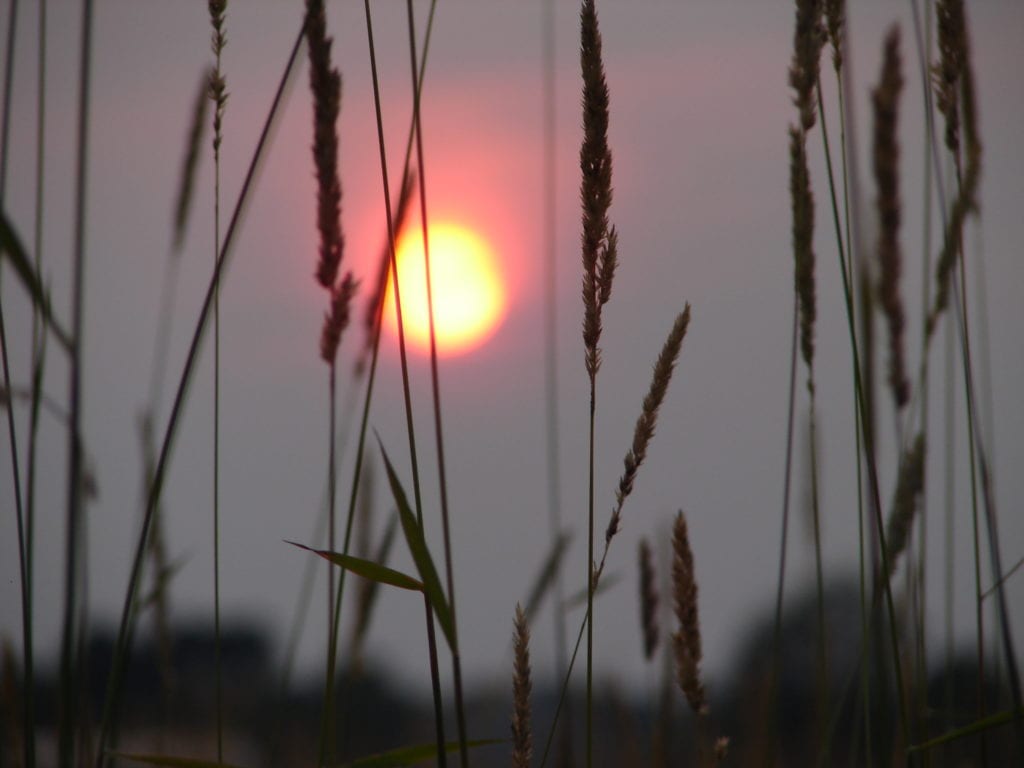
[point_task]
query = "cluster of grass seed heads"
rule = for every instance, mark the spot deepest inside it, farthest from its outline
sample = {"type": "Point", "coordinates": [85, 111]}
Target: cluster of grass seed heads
{"type": "Point", "coordinates": [599, 241]}
{"type": "Point", "coordinates": [835, 22]}
{"type": "Point", "coordinates": [808, 40]}
{"type": "Point", "coordinates": [802, 202]}
{"type": "Point", "coordinates": [644, 430]}
{"type": "Point", "coordinates": [909, 486]}
{"type": "Point", "coordinates": [648, 600]}
{"type": "Point", "coordinates": [522, 738]}
{"type": "Point", "coordinates": [190, 163]}
{"type": "Point", "coordinates": [687, 640]}
{"type": "Point", "coordinates": [885, 99]}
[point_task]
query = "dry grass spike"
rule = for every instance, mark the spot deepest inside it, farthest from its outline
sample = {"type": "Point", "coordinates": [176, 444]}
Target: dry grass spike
{"type": "Point", "coordinates": [808, 40]}
{"type": "Point", "coordinates": [885, 100]}
{"type": "Point", "coordinates": [687, 641]}
{"type": "Point", "coordinates": [325, 82]}
{"type": "Point", "coordinates": [835, 23]}
{"type": "Point", "coordinates": [337, 318]}
{"type": "Point", "coordinates": [522, 738]}
{"type": "Point", "coordinates": [648, 600]}
{"type": "Point", "coordinates": [802, 202]}
{"type": "Point", "coordinates": [644, 430]}
{"type": "Point", "coordinates": [599, 245]}
{"type": "Point", "coordinates": [909, 486]}
{"type": "Point", "coordinates": [190, 163]}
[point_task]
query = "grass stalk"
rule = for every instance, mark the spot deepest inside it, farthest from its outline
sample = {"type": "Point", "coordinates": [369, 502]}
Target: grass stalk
{"type": "Point", "coordinates": [23, 523]}
{"type": "Point", "coordinates": [552, 443]}
{"type": "Point", "coordinates": [460, 713]}
{"type": "Point", "coordinates": [123, 643]}
{"type": "Point", "coordinates": [68, 671]}
{"type": "Point", "coordinates": [218, 94]}
{"type": "Point", "coordinates": [431, 638]}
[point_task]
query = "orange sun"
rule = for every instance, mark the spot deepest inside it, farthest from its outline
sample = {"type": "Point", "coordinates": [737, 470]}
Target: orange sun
{"type": "Point", "coordinates": [468, 297]}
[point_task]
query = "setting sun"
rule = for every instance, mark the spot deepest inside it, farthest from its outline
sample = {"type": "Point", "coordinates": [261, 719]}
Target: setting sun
{"type": "Point", "coordinates": [468, 297]}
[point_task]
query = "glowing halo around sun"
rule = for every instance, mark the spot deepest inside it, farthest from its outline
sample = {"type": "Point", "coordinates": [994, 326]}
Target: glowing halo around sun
{"type": "Point", "coordinates": [467, 290]}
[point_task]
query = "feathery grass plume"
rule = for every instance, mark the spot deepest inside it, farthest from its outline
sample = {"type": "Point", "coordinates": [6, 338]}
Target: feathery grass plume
{"type": "Point", "coordinates": [599, 246]}
{"type": "Point", "coordinates": [835, 19]}
{"type": "Point", "coordinates": [325, 82]}
{"type": "Point", "coordinates": [380, 287]}
{"type": "Point", "coordinates": [217, 88]}
{"type": "Point", "coordinates": [336, 320]}
{"type": "Point", "coordinates": [648, 600]}
{"type": "Point", "coordinates": [802, 202]}
{"type": "Point", "coordinates": [808, 39]}
{"type": "Point", "coordinates": [956, 49]}
{"type": "Point", "coordinates": [644, 430]}
{"type": "Point", "coordinates": [947, 72]}
{"type": "Point", "coordinates": [885, 99]}
{"type": "Point", "coordinates": [687, 642]}
{"type": "Point", "coordinates": [909, 486]}
{"type": "Point", "coordinates": [522, 739]}
{"type": "Point", "coordinates": [188, 166]}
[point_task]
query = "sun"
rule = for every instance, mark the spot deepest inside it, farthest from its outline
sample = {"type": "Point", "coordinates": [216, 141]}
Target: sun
{"type": "Point", "coordinates": [468, 295]}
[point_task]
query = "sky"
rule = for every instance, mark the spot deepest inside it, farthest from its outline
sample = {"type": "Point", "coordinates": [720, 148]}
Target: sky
{"type": "Point", "coordinates": [699, 114]}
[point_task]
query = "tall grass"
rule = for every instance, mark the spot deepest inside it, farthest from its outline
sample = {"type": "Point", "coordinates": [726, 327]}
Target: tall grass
{"type": "Point", "coordinates": [886, 688]}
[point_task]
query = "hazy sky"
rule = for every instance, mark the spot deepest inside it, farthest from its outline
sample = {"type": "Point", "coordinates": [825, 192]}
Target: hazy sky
{"type": "Point", "coordinates": [699, 113]}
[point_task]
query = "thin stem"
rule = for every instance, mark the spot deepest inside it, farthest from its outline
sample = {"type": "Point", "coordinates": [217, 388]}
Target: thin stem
{"type": "Point", "coordinates": [24, 558]}
{"type": "Point", "coordinates": [124, 631]}
{"type": "Point", "coordinates": [589, 620]}
{"type": "Point", "coordinates": [460, 712]}
{"type": "Point", "coordinates": [68, 673]}
{"type": "Point", "coordinates": [549, 171]}
{"type": "Point", "coordinates": [218, 669]}
{"type": "Point", "coordinates": [770, 751]}
{"type": "Point", "coordinates": [431, 639]}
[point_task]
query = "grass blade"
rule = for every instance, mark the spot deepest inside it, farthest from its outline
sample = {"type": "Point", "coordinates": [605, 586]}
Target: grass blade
{"type": "Point", "coordinates": [403, 756]}
{"type": "Point", "coordinates": [978, 726]}
{"type": "Point", "coordinates": [170, 761]}
{"type": "Point", "coordinates": [420, 554]}
{"type": "Point", "coordinates": [547, 577]}
{"type": "Point", "coordinates": [366, 568]}
{"type": "Point", "coordinates": [11, 247]}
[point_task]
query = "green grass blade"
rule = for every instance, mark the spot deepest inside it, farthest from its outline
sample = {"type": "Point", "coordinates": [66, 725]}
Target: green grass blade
{"type": "Point", "coordinates": [403, 756]}
{"type": "Point", "coordinates": [170, 761]}
{"type": "Point", "coordinates": [11, 247]}
{"type": "Point", "coordinates": [366, 568]}
{"type": "Point", "coordinates": [548, 575]}
{"type": "Point", "coordinates": [420, 554]}
{"type": "Point", "coordinates": [579, 599]}
{"type": "Point", "coordinates": [978, 726]}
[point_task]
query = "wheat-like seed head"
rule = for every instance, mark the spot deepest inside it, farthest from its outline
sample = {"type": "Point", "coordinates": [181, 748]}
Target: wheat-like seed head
{"type": "Point", "coordinates": [909, 486]}
{"type": "Point", "coordinates": [687, 640]}
{"type": "Point", "coordinates": [522, 739]}
{"type": "Point", "coordinates": [190, 163]}
{"type": "Point", "coordinates": [648, 600]}
{"type": "Point", "coordinates": [336, 320]}
{"type": "Point", "coordinates": [835, 17]}
{"type": "Point", "coordinates": [808, 39]}
{"type": "Point", "coordinates": [802, 202]}
{"type": "Point", "coordinates": [325, 83]}
{"type": "Point", "coordinates": [644, 430]}
{"type": "Point", "coordinates": [885, 99]}
{"type": "Point", "coordinates": [599, 246]}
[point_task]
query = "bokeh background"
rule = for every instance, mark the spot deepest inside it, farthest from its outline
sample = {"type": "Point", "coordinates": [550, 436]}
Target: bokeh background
{"type": "Point", "coordinates": [699, 112]}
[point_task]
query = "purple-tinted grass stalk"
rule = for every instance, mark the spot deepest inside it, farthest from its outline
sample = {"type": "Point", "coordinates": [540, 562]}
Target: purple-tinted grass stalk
{"type": "Point", "coordinates": [24, 536]}
{"type": "Point", "coordinates": [73, 546]}
{"type": "Point", "coordinates": [460, 714]}
{"type": "Point", "coordinates": [123, 642]}
{"type": "Point", "coordinates": [431, 638]}
{"type": "Point", "coordinates": [549, 172]}
{"type": "Point", "coordinates": [218, 94]}
{"type": "Point", "coordinates": [374, 326]}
